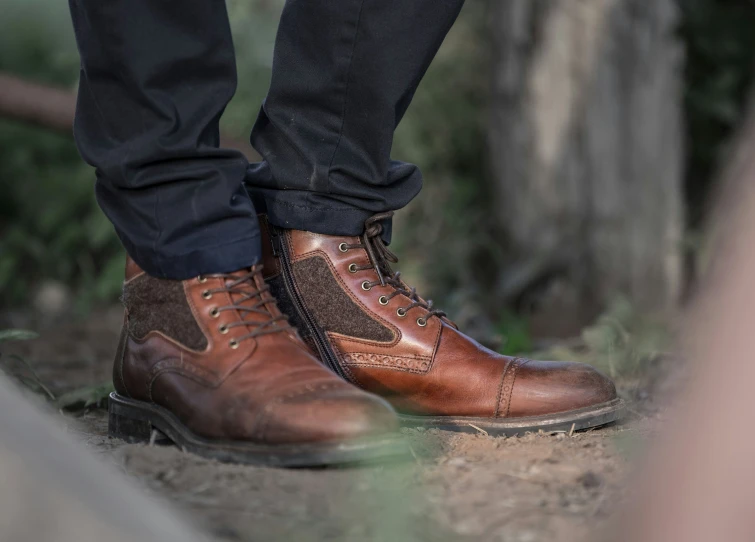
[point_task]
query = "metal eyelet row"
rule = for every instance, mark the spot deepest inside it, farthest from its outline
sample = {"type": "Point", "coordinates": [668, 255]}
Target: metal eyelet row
{"type": "Point", "coordinates": [215, 313]}
{"type": "Point", "coordinates": [401, 312]}
{"type": "Point", "coordinates": [383, 300]}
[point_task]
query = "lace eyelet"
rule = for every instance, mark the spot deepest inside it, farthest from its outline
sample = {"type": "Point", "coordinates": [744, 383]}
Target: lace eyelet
{"type": "Point", "coordinates": [223, 330]}
{"type": "Point", "coordinates": [401, 312]}
{"type": "Point", "coordinates": [201, 279]}
{"type": "Point", "coordinates": [366, 286]}
{"type": "Point", "coordinates": [421, 322]}
{"type": "Point", "coordinates": [343, 247]}
{"type": "Point", "coordinates": [383, 300]}
{"type": "Point", "coordinates": [207, 294]}
{"type": "Point", "coordinates": [234, 344]}
{"type": "Point", "coordinates": [353, 268]}
{"type": "Point", "coordinates": [215, 312]}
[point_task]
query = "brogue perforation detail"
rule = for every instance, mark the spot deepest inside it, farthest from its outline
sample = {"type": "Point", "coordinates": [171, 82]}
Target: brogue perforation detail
{"type": "Point", "coordinates": [507, 387]}
{"type": "Point", "coordinates": [419, 365]}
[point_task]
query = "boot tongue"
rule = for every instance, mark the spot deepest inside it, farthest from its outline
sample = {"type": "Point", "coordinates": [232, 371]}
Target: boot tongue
{"type": "Point", "coordinates": [380, 256]}
{"type": "Point", "coordinates": [248, 293]}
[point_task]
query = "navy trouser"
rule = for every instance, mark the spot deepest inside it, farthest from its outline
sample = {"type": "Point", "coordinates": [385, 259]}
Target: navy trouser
{"type": "Point", "coordinates": [156, 76]}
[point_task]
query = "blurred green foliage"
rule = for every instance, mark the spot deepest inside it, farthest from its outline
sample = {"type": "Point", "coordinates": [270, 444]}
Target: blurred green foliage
{"type": "Point", "coordinates": [622, 342]}
{"type": "Point", "coordinates": [50, 225]}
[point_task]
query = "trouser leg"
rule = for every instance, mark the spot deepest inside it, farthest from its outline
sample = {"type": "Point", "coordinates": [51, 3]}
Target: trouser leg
{"type": "Point", "coordinates": [344, 73]}
{"type": "Point", "coordinates": [155, 77]}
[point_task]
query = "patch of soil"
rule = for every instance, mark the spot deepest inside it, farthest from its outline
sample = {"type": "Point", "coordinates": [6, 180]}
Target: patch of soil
{"type": "Point", "coordinates": [455, 487]}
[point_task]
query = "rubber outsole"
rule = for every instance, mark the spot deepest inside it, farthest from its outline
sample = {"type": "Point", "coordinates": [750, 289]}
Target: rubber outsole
{"type": "Point", "coordinates": [135, 421]}
{"type": "Point", "coordinates": [570, 421]}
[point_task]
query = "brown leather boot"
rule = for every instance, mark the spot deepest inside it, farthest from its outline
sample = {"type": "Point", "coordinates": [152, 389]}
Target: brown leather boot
{"type": "Point", "coordinates": [375, 331]}
{"type": "Point", "coordinates": [213, 364]}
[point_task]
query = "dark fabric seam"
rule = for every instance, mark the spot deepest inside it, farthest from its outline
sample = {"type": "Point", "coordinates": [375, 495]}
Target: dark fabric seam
{"type": "Point", "coordinates": [256, 235]}
{"type": "Point", "coordinates": [294, 206]}
{"type": "Point", "coordinates": [348, 84]}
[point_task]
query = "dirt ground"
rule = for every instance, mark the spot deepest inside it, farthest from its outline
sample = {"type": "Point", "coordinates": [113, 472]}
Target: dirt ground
{"type": "Point", "coordinates": [455, 487]}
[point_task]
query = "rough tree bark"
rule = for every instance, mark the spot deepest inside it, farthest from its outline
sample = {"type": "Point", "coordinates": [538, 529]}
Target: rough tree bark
{"type": "Point", "coordinates": [586, 150]}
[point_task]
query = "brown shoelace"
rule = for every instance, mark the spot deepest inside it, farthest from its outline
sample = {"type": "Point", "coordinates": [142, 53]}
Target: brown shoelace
{"type": "Point", "coordinates": [380, 259]}
{"type": "Point", "coordinates": [248, 299]}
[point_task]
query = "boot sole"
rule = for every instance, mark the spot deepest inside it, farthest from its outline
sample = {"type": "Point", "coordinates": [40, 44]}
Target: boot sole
{"type": "Point", "coordinates": [570, 421]}
{"type": "Point", "coordinates": [135, 421]}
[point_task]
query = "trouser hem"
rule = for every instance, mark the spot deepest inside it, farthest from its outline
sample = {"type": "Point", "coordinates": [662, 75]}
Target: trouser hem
{"type": "Point", "coordinates": [346, 221]}
{"type": "Point", "coordinates": [226, 258]}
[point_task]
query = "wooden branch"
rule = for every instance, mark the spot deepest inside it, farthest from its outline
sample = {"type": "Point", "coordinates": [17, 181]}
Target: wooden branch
{"type": "Point", "coordinates": [54, 109]}
{"type": "Point", "coordinates": [36, 104]}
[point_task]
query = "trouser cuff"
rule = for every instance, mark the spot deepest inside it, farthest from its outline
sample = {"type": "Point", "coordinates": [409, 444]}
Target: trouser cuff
{"type": "Point", "coordinates": [293, 209]}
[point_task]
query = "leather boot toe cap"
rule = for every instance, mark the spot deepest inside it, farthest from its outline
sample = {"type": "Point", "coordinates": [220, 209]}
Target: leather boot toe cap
{"type": "Point", "coordinates": [330, 413]}
{"type": "Point", "coordinates": [549, 387]}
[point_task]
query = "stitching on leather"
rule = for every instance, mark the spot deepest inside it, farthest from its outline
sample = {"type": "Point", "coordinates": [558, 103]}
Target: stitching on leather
{"type": "Point", "coordinates": [511, 391]}
{"type": "Point", "coordinates": [179, 370]}
{"type": "Point", "coordinates": [400, 363]}
{"type": "Point", "coordinates": [347, 291]}
{"type": "Point", "coordinates": [500, 391]}
{"type": "Point", "coordinates": [134, 277]}
{"type": "Point", "coordinates": [397, 332]}
{"type": "Point", "coordinates": [294, 256]}
{"type": "Point", "coordinates": [390, 368]}
{"type": "Point", "coordinates": [508, 389]}
{"type": "Point", "coordinates": [269, 408]}
{"type": "Point", "coordinates": [180, 365]}
{"type": "Point", "coordinates": [195, 312]}
{"type": "Point", "coordinates": [519, 364]}
{"type": "Point", "coordinates": [435, 347]}
{"type": "Point", "coordinates": [172, 365]}
{"type": "Point", "coordinates": [193, 372]}
{"type": "Point", "coordinates": [123, 351]}
{"type": "Point", "coordinates": [366, 342]}
{"type": "Point", "coordinates": [209, 378]}
{"type": "Point", "coordinates": [265, 401]}
{"type": "Point", "coordinates": [346, 369]}
{"type": "Point", "coordinates": [390, 325]}
{"type": "Point", "coordinates": [294, 206]}
{"type": "Point", "coordinates": [153, 333]}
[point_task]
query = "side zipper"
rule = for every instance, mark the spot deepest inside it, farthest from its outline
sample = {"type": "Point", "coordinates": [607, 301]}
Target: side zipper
{"type": "Point", "coordinates": [323, 346]}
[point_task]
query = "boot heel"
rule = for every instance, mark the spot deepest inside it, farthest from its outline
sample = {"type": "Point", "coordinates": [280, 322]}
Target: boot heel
{"type": "Point", "coordinates": [125, 427]}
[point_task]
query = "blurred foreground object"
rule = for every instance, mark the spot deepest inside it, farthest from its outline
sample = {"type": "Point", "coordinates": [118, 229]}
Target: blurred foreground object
{"type": "Point", "coordinates": [700, 485]}
{"type": "Point", "coordinates": [54, 490]}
